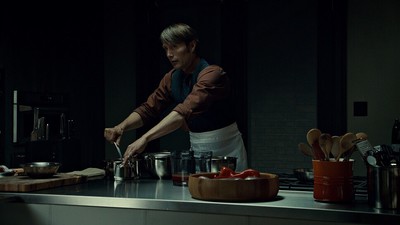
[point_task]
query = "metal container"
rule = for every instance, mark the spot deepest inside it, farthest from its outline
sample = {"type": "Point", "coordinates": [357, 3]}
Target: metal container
{"type": "Point", "coordinates": [304, 175]}
{"type": "Point", "coordinates": [130, 171]}
{"type": "Point", "coordinates": [41, 169]}
{"type": "Point", "coordinates": [217, 162]}
{"type": "Point", "coordinates": [384, 187]}
{"type": "Point", "coordinates": [159, 164]}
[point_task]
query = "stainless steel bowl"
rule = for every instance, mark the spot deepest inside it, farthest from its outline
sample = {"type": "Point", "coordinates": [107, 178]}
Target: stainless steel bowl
{"type": "Point", "coordinates": [217, 162]}
{"type": "Point", "coordinates": [304, 174]}
{"type": "Point", "coordinates": [41, 169]}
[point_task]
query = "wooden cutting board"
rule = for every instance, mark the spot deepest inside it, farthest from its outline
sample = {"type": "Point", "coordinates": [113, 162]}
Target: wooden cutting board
{"type": "Point", "coordinates": [27, 184]}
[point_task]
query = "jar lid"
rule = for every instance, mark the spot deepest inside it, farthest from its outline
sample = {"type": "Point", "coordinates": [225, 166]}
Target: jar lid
{"type": "Point", "coordinates": [162, 155]}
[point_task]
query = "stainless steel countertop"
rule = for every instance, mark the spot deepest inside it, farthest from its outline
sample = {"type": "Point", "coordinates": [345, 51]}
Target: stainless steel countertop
{"type": "Point", "coordinates": [163, 195]}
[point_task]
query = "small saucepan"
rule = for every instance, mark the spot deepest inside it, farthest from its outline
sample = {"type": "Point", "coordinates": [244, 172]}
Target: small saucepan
{"type": "Point", "coordinates": [133, 169]}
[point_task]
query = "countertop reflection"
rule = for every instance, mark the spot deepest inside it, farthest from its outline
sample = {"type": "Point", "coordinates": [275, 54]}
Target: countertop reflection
{"type": "Point", "coordinates": [149, 194]}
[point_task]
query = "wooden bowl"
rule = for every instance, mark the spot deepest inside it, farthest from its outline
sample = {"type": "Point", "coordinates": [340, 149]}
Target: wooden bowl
{"type": "Point", "coordinates": [263, 189]}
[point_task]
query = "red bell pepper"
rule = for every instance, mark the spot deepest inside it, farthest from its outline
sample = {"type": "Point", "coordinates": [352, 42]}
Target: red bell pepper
{"type": "Point", "coordinates": [229, 173]}
{"type": "Point", "coordinates": [247, 173]}
{"type": "Point", "coordinates": [225, 172]}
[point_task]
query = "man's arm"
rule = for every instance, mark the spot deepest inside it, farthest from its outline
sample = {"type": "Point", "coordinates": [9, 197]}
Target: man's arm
{"type": "Point", "coordinates": [170, 123]}
{"type": "Point", "coordinates": [133, 121]}
{"type": "Point", "coordinates": [114, 134]}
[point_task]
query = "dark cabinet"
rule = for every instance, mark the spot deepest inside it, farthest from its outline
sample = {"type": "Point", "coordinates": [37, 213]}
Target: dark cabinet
{"type": "Point", "coordinates": [67, 152]}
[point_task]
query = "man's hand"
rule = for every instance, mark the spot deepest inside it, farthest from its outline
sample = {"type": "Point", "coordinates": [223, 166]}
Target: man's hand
{"type": "Point", "coordinates": [134, 149]}
{"type": "Point", "coordinates": [113, 134]}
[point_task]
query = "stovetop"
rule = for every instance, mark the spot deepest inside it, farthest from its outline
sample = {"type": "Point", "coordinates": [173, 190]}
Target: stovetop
{"type": "Point", "coordinates": [290, 182]}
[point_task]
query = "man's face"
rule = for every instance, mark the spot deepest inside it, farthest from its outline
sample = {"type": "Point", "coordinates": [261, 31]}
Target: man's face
{"type": "Point", "coordinates": [180, 55]}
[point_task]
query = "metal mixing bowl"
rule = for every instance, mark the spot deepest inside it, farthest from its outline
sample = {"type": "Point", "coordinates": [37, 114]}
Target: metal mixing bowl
{"type": "Point", "coordinates": [41, 169]}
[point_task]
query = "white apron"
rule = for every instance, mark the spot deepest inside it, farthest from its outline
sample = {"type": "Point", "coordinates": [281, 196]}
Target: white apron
{"type": "Point", "coordinates": [226, 141]}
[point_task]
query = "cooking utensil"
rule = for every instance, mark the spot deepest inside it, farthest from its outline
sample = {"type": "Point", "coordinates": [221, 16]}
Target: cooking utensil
{"type": "Point", "coordinates": [62, 126]}
{"type": "Point", "coordinates": [35, 118]}
{"type": "Point", "coordinates": [384, 187]}
{"type": "Point", "coordinates": [125, 172]}
{"type": "Point", "coordinates": [346, 143]}
{"type": "Point", "coordinates": [333, 180]}
{"type": "Point", "coordinates": [41, 128]}
{"type": "Point", "coordinates": [362, 136]}
{"type": "Point", "coordinates": [304, 174]}
{"type": "Point", "coordinates": [119, 151]}
{"type": "Point", "coordinates": [306, 149]}
{"type": "Point", "coordinates": [41, 169]}
{"type": "Point", "coordinates": [335, 146]}
{"type": "Point", "coordinates": [313, 136]}
{"type": "Point", "coordinates": [360, 144]}
{"type": "Point", "coordinates": [34, 134]}
{"type": "Point", "coordinates": [312, 139]}
{"type": "Point", "coordinates": [371, 160]}
{"type": "Point", "coordinates": [325, 142]}
{"type": "Point", "coordinates": [159, 164]}
{"type": "Point", "coordinates": [364, 148]}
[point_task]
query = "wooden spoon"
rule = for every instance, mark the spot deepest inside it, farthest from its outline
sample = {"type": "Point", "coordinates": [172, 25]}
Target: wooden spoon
{"type": "Point", "coordinates": [312, 139]}
{"type": "Point", "coordinates": [335, 146]}
{"type": "Point", "coordinates": [306, 149]}
{"type": "Point", "coordinates": [346, 143]}
{"type": "Point", "coordinates": [362, 136]}
{"type": "Point", "coordinates": [325, 142]}
{"type": "Point", "coordinates": [313, 136]}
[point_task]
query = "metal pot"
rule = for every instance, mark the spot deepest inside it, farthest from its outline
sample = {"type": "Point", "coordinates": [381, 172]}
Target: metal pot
{"type": "Point", "coordinates": [218, 162]}
{"type": "Point", "coordinates": [304, 174]}
{"type": "Point", "coordinates": [132, 170]}
{"type": "Point", "coordinates": [41, 169]}
{"type": "Point", "coordinates": [159, 164]}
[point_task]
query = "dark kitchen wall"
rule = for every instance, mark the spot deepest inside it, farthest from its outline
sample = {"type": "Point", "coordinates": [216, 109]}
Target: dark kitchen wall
{"type": "Point", "coordinates": [296, 78]}
{"type": "Point", "coordinates": [282, 82]}
{"type": "Point", "coordinates": [373, 69]}
{"type": "Point", "coordinates": [120, 64]}
{"type": "Point", "coordinates": [57, 47]}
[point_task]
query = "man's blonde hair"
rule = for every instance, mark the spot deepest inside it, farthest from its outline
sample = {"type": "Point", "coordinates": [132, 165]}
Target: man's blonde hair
{"type": "Point", "coordinates": [178, 33]}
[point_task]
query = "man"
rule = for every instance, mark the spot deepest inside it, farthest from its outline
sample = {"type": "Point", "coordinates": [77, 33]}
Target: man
{"type": "Point", "coordinates": [201, 96]}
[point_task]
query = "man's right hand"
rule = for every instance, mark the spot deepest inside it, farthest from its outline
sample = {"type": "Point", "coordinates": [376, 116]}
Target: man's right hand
{"type": "Point", "coordinates": [113, 134]}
